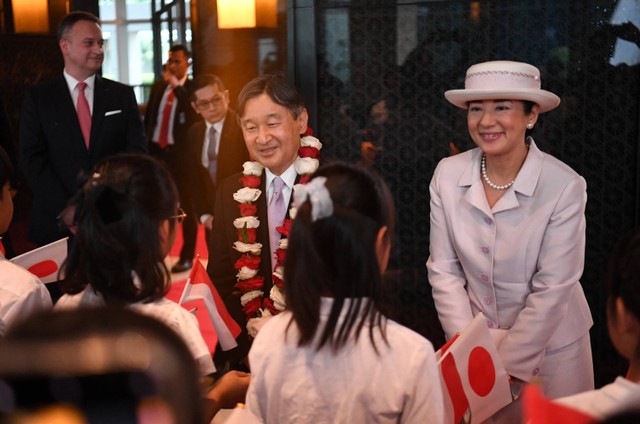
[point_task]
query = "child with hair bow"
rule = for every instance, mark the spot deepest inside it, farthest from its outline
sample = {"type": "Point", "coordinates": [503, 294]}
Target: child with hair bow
{"type": "Point", "coordinates": [333, 355]}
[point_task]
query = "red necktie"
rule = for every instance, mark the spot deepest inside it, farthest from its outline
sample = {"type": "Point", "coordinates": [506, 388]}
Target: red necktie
{"type": "Point", "coordinates": [84, 113]}
{"type": "Point", "coordinates": [163, 138]}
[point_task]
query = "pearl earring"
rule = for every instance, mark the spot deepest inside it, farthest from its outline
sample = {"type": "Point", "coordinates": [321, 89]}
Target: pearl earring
{"type": "Point", "coordinates": [529, 125]}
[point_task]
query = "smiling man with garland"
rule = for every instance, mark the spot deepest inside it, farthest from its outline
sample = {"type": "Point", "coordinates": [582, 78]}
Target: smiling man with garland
{"type": "Point", "coordinates": [245, 257]}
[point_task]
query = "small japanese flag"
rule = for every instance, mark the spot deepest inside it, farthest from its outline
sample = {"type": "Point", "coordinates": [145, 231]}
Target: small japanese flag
{"type": "Point", "coordinates": [44, 262]}
{"type": "Point", "coordinates": [476, 383]}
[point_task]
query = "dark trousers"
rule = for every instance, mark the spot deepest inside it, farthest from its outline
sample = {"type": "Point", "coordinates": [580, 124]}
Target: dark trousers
{"type": "Point", "coordinates": [171, 158]}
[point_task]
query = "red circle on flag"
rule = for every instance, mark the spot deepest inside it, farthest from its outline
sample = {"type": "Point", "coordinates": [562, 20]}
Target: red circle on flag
{"type": "Point", "coordinates": [44, 268]}
{"type": "Point", "coordinates": [482, 373]}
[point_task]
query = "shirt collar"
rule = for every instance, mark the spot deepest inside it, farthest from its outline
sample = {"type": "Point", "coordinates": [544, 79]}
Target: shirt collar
{"type": "Point", "coordinates": [527, 178]}
{"type": "Point", "coordinates": [72, 82]}
{"type": "Point", "coordinates": [217, 125]}
{"type": "Point", "coordinates": [289, 176]}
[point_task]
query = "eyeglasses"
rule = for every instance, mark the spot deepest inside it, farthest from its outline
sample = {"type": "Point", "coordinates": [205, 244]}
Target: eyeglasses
{"type": "Point", "coordinates": [214, 101]}
{"type": "Point", "coordinates": [180, 216]}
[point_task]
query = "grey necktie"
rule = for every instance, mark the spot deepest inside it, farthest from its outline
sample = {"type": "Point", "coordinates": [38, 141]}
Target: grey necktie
{"type": "Point", "coordinates": [212, 154]}
{"type": "Point", "coordinates": [276, 212]}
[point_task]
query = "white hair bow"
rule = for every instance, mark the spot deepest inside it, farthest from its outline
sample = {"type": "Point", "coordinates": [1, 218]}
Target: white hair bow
{"type": "Point", "coordinates": [316, 192]}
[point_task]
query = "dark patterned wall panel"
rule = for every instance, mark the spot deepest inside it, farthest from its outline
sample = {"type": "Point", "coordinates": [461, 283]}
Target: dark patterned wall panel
{"type": "Point", "coordinates": [26, 60]}
{"type": "Point", "coordinates": [409, 54]}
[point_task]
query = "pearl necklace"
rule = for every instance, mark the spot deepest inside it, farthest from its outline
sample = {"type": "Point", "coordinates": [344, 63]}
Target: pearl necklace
{"type": "Point", "coordinates": [483, 166]}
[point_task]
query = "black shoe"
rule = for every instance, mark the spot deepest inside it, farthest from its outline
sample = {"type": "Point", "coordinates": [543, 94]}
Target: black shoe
{"type": "Point", "coordinates": [182, 266]}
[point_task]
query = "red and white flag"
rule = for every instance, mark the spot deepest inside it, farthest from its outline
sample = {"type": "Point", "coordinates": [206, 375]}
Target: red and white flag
{"type": "Point", "coordinates": [474, 381]}
{"type": "Point", "coordinates": [199, 288]}
{"type": "Point", "coordinates": [45, 261]}
{"type": "Point", "coordinates": [537, 409]}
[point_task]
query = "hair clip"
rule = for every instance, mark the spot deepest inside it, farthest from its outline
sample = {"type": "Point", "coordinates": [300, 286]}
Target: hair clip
{"type": "Point", "coordinates": [94, 178]}
{"type": "Point", "coordinates": [316, 192]}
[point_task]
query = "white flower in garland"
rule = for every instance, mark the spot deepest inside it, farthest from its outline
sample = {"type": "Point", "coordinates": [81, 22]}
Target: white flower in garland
{"type": "Point", "coordinates": [248, 221]}
{"type": "Point", "coordinates": [246, 273]}
{"type": "Point", "coordinates": [253, 248]}
{"type": "Point", "coordinates": [247, 195]}
{"type": "Point", "coordinates": [249, 296]}
{"type": "Point", "coordinates": [252, 168]}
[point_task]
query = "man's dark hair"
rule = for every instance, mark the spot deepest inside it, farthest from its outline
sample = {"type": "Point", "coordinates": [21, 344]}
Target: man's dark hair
{"type": "Point", "coordinates": [180, 48]}
{"type": "Point", "coordinates": [204, 80]}
{"type": "Point", "coordinates": [279, 90]}
{"type": "Point", "coordinates": [71, 19]}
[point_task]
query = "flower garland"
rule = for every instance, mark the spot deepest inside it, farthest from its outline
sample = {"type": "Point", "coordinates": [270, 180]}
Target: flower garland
{"type": "Point", "coordinates": [256, 306]}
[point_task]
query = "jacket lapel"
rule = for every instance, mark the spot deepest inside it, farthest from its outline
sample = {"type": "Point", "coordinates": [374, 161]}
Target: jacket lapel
{"type": "Point", "coordinates": [100, 93]}
{"type": "Point", "coordinates": [263, 236]}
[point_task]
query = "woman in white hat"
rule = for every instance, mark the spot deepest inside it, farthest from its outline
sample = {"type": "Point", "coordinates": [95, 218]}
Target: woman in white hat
{"type": "Point", "coordinates": [508, 234]}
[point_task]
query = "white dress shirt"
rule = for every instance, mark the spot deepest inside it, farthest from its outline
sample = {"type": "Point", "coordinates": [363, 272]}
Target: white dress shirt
{"type": "Point", "coordinates": [21, 294]}
{"type": "Point", "coordinates": [292, 384]}
{"type": "Point", "coordinates": [156, 131]}
{"type": "Point", "coordinates": [170, 313]}
{"type": "Point", "coordinates": [289, 177]}
{"type": "Point", "coordinates": [89, 90]}
{"type": "Point", "coordinates": [619, 396]}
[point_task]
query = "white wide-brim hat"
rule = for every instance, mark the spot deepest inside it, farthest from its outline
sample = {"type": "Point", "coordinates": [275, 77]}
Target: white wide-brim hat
{"type": "Point", "coordinates": [503, 80]}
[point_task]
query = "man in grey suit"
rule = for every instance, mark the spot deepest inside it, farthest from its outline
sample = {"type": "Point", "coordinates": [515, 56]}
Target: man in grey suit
{"type": "Point", "coordinates": [216, 148]}
{"type": "Point", "coordinates": [71, 122]}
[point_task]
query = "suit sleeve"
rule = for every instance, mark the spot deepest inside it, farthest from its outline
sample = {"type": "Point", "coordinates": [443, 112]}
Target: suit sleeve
{"type": "Point", "coordinates": [446, 276]}
{"type": "Point", "coordinates": [203, 197]}
{"type": "Point", "coordinates": [221, 260]}
{"type": "Point", "coordinates": [136, 138]}
{"type": "Point", "coordinates": [34, 157]}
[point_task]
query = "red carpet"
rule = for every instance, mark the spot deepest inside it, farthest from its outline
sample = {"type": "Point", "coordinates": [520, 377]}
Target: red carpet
{"type": "Point", "coordinates": [201, 244]}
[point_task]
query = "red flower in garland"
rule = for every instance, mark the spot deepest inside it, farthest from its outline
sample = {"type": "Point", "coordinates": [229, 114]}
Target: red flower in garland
{"type": "Point", "coordinates": [309, 152]}
{"type": "Point", "coordinates": [250, 181]}
{"type": "Point", "coordinates": [268, 303]}
{"type": "Point", "coordinates": [254, 283]}
{"type": "Point", "coordinates": [250, 261]}
{"type": "Point", "coordinates": [281, 254]}
{"type": "Point", "coordinates": [252, 306]}
{"type": "Point", "coordinates": [247, 235]}
{"type": "Point", "coordinates": [248, 209]}
{"type": "Point", "coordinates": [285, 229]}
{"type": "Point", "coordinates": [277, 281]}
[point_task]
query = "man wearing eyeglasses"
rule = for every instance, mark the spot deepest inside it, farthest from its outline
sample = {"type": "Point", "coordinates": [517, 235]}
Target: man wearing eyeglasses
{"type": "Point", "coordinates": [216, 148]}
{"type": "Point", "coordinates": [167, 120]}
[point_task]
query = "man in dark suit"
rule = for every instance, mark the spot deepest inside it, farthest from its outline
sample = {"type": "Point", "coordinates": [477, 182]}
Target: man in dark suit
{"type": "Point", "coordinates": [71, 122]}
{"type": "Point", "coordinates": [216, 148]}
{"type": "Point", "coordinates": [272, 118]}
{"type": "Point", "coordinates": [167, 119]}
